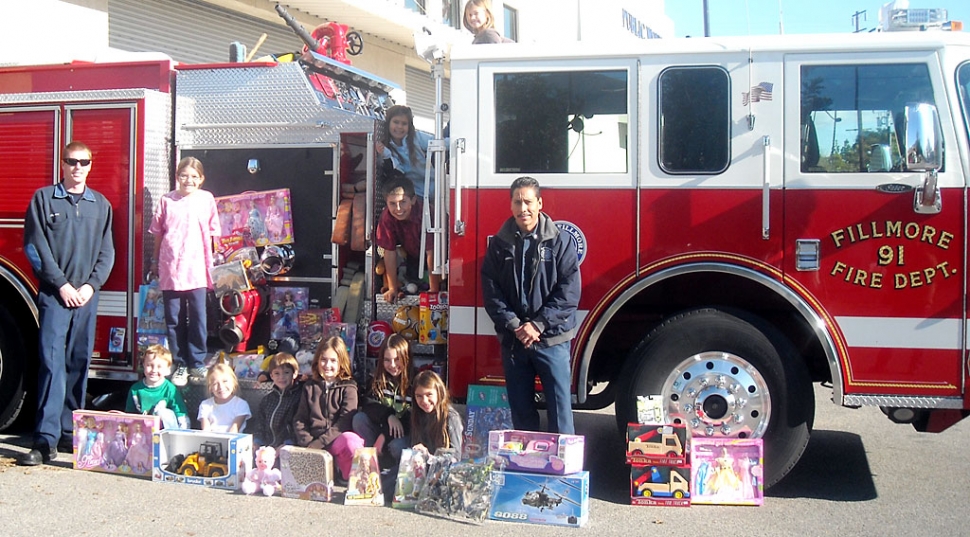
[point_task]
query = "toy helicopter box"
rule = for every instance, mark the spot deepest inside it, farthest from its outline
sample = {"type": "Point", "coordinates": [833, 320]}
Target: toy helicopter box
{"type": "Point", "coordinates": [307, 473]}
{"type": "Point", "coordinates": [545, 453]}
{"type": "Point", "coordinates": [667, 486]}
{"type": "Point", "coordinates": [433, 315]}
{"type": "Point", "coordinates": [656, 443]}
{"type": "Point", "coordinates": [488, 410]}
{"type": "Point", "coordinates": [540, 499]}
{"type": "Point", "coordinates": [114, 442]}
{"type": "Point", "coordinates": [727, 471]}
{"type": "Point", "coordinates": [205, 458]}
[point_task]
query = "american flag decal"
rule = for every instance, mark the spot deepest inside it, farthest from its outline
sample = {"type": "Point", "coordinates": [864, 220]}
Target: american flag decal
{"type": "Point", "coordinates": [761, 92]}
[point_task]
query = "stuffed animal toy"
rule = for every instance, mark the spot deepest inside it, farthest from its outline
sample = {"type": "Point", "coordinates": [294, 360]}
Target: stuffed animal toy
{"type": "Point", "coordinates": [264, 477]}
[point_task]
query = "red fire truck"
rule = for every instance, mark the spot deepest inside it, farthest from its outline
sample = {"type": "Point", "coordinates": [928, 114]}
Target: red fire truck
{"type": "Point", "coordinates": [752, 215]}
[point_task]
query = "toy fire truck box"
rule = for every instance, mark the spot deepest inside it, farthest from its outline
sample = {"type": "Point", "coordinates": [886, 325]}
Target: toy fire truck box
{"type": "Point", "coordinates": [544, 453]}
{"type": "Point", "coordinates": [433, 324]}
{"type": "Point", "coordinates": [114, 442]}
{"type": "Point", "coordinates": [307, 473]}
{"type": "Point", "coordinates": [540, 499]}
{"type": "Point", "coordinates": [488, 410]}
{"type": "Point", "coordinates": [655, 443]}
{"type": "Point", "coordinates": [667, 486]}
{"type": "Point", "coordinates": [727, 471]}
{"type": "Point", "coordinates": [217, 460]}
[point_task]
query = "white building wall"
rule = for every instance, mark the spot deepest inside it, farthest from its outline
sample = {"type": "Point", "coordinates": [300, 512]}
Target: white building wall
{"type": "Point", "coordinates": [51, 31]}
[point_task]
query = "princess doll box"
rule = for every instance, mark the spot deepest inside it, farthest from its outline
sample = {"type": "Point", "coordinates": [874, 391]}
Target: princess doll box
{"type": "Point", "coordinates": [727, 471]}
{"type": "Point", "coordinates": [114, 442]}
{"type": "Point", "coordinates": [208, 459]}
{"type": "Point", "coordinates": [307, 473]}
{"type": "Point", "coordinates": [545, 453]}
{"type": "Point", "coordinates": [561, 500]}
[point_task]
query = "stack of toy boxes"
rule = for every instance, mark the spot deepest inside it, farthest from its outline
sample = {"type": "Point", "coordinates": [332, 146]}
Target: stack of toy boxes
{"type": "Point", "coordinates": [217, 460]}
{"type": "Point", "coordinates": [542, 479]}
{"type": "Point", "coordinates": [307, 473]}
{"type": "Point", "coordinates": [659, 458]}
{"type": "Point", "coordinates": [114, 442]}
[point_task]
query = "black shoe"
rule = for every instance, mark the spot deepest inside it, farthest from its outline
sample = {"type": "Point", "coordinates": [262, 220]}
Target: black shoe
{"type": "Point", "coordinates": [66, 445]}
{"type": "Point", "coordinates": [37, 456]}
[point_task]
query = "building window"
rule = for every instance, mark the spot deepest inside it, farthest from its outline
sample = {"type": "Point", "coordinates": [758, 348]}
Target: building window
{"type": "Point", "coordinates": [853, 115]}
{"type": "Point", "coordinates": [511, 23]}
{"type": "Point", "coordinates": [416, 5]}
{"type": "Point", "coordinates": [561, 122]}
{"type": "Point", "coordinates": [451, 11]}
{"type": "Point", "coordinates": [695, 120]}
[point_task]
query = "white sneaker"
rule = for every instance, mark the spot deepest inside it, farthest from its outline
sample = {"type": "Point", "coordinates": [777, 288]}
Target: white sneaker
{"type": "Point", "coordinates": [181, 376]}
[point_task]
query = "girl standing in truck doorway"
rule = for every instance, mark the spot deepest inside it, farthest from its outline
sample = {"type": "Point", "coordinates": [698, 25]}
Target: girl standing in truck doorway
{"type": "Point", "coordinates": [406, 147]}
{"type": "Point", "coordinates": [185, 224]}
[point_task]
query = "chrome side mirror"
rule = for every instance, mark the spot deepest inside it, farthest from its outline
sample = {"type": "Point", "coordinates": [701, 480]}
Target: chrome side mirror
{"type": "Point", "coordinates": [924, 153]}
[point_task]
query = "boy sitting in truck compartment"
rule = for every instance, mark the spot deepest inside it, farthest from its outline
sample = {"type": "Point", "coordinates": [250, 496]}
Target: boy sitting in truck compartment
{"type": "Point", "coordinates": [400, 224]}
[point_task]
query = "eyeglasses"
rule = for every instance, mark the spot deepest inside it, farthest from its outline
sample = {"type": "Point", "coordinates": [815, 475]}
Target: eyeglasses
{"type": "Point", "coordinates": [75, 161]}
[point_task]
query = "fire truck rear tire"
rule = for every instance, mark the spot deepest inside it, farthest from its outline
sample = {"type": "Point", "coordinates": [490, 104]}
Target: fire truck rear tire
{"type": "Point", "coordinates": [12, 357]}
{"type": "Point", "coordinates": [708, 364]}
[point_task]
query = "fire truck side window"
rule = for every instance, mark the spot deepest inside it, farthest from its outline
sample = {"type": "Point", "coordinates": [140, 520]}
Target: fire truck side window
{"type": "Point", "coordinates": [695, 120]}
{"type": "Point", "coordinates": [852, 115]}
{"type": "Point", "coordinates": [561, 122]}
{"type": "Point", "coordinates": [963, 86]}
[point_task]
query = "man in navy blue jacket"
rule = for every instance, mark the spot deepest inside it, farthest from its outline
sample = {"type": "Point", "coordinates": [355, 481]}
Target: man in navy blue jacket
{"type": "Point", "coordinates": [67, 239]}
{"type": "Point", "coordinates": [531, 286]}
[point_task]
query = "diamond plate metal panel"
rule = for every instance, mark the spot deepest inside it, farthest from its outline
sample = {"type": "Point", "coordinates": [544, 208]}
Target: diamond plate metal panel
{"type": "Point", "coordinates": [158, 170]}
{"type": "Point", "coordinates": [257, 106]}
{"type": "Point", "coordinates": [73, 96]}
{"type": "Point", "coordinates": [903, 402]}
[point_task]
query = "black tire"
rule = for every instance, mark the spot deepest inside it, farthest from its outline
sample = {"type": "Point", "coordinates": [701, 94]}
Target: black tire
{"type": "Point", "coordinates": [724, 376]}
{"type": "Point", "coordinates": [13, 357]}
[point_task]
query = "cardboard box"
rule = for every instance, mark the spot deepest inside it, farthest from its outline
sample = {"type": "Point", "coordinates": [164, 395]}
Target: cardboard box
{"type": "Point", "coordinates": [433, 323]}
{"type": "Point", "coordinates": [660, 485]}
{"type": "Point", "coordinates": [364, 484]}
{"type": "Point", "coordinates": [545, 453]}
{"type": "Point", "coordinates": [540, 499]}
{"type": "Point", "coordinates": [114, 442]}
{"type": "Point", "coordinates": [488, 410]}
{"type": "Point", "coordinates": [307, 473]}
{"type": "Point", "coordinates": [217, 460]}
{"type": "Point", "coordinates": [728, 471]}
{"type": "Point", "coordinates": [657, 444]}
{"type": "Point", "coordinates": [650, 409]}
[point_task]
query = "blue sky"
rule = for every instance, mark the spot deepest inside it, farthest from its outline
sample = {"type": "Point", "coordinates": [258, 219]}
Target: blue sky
{"type": "Point", "coordinates": [758, 17]}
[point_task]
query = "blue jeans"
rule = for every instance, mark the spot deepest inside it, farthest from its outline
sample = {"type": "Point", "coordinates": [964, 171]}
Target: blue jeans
{"type": "Point", "coordinates": [552, 365]}
{"type": "Point", "coordinates": [369, 431]}
{"type": "Point", "coordinates": [66, 341]}
{"type": "Point", "coordinates": [185, 317]}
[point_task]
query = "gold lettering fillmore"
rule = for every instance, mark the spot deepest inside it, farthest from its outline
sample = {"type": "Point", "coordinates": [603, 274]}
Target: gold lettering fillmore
{"type": "Point", "coordinates": [891, 229]}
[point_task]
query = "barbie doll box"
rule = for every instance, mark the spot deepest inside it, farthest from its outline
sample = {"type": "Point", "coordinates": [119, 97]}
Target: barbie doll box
{"type": "Point", "coordinates": [727, 471]}
{"type": "Point", "coordinates": [655, 443]}
{"type": "Point", "coordinates": [667, 486]}
{"type": "Point", "coordinates": [114, 442]}
{"type": "Point", "coordinates": [545, 453]}
{"type": "Point", "coordinates": [561, 500]}
{"type": "Point", "coordinates": [217, 460]}
{"type": "Point", "coordinates": [307, 473]}
{"type": "Point", "coordinates": [255, 219]}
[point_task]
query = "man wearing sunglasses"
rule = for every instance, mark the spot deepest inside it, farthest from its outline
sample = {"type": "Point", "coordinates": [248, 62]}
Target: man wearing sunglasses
{"type": "Point", "coordinates": [67, 239]}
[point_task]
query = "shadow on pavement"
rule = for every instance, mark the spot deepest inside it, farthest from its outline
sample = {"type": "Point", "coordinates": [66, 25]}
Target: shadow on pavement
{"type": "Point", "coordinates": [834, 467]}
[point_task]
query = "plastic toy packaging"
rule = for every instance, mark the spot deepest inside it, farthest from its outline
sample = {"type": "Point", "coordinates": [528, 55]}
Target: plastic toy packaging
{"type": "Point", "coordinates": [410, 478]}
{"type": "Point", "coordinates": [456, 490]}
{"type": "Point", "coordinates": [727, 471]}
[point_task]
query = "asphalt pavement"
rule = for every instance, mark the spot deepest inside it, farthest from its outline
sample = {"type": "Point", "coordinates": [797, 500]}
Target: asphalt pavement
{"type": "Point", "coordinates": [861, 475]}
